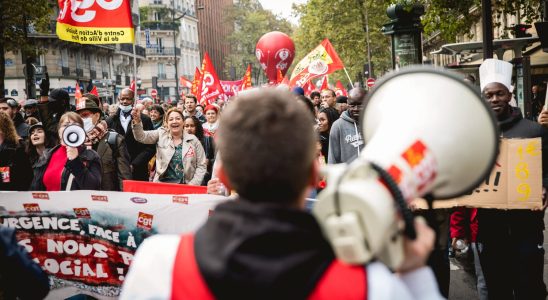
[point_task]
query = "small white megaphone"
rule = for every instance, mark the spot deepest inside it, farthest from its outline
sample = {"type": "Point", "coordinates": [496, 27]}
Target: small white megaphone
{"type": "Point", "coordinates": [427, 132]}
{"type": "Point", "coordinates": [74, 136]}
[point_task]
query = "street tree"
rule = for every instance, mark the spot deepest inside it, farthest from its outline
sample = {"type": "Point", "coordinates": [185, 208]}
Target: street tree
{"type": "Point", "coordinates": [18, 19]}
{"type": "Point", "coordinates": [343, 22]}
{"type": "Point", "coordinates": [250, 22]}
{"type": "Point", "coordinates": [452, 18]}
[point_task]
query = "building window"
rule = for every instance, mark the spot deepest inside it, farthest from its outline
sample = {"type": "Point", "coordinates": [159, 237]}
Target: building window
{"type": "Point", "coordinates": [161, 71]}
{"type": "Point", "coordinates": [64, 57]}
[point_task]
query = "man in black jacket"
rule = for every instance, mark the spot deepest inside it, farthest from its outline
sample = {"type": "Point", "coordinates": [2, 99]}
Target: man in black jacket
{"type": "Point", "coordinates": [139, 154]}
{"type": "Point", "coordinates": [511, 241]}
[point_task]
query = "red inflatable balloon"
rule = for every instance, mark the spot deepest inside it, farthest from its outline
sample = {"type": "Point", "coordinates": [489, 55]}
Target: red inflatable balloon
{"type": "Point", "coordinates": [275, 50]}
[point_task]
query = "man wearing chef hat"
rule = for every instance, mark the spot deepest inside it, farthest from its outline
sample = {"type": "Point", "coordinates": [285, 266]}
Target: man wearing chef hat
{"type": "Point", "coordinates": [511, 241]}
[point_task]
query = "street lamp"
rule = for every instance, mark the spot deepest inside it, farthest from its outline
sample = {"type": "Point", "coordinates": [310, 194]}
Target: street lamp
{"type": "Point", "coordinates": [175, 48]}
{"type": "Point", "coordinates": [174, 45]}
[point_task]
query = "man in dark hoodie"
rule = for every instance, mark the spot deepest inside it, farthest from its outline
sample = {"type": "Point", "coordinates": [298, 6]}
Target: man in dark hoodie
{"type": "Point", "coordinates": [511, 241]}
{"type": "Point", "coordinates": [263, 245]}
{"type": "Point", "coordinates": [345, 138]}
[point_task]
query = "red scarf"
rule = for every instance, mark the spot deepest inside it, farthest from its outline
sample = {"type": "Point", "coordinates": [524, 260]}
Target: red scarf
{"type": "Point", "coordinates": [54, 170]}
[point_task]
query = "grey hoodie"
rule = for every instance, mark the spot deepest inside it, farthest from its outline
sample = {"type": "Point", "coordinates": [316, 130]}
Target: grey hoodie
{"type": "Point", "coordinates": [345, 140]}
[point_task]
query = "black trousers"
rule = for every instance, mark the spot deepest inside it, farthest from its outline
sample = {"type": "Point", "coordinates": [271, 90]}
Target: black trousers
{"type": "Point", "coordinates": [511, 255]}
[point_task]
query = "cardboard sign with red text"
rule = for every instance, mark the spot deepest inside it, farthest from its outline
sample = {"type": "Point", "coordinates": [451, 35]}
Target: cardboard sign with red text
{"type": "Point", "coordinates": [85, 240]}
{"type": "Point", "coordinates": [514, 183]}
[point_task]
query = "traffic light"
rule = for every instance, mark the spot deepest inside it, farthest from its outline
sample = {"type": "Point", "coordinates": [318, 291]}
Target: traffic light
{"type": "Point", "coordinates": [520, 30]}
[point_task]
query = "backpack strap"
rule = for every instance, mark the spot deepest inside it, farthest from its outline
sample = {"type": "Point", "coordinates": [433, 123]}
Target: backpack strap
{"type": "Point", "coordinates": [188, 282]}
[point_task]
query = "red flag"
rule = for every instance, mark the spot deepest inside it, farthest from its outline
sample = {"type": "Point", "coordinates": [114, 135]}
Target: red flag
{"type": "Point", "coordinates": [246, 84]}
{"type": "Point", "coordinates": [196, 82]}
{"type": "Point", "coordinates": [95, 22]}
{"type": "Point", "coordinates": [308, 88]}
{"type": "Point", "coordinates": [340, 90]}
{"type": "Point", "coordinates": [210, 87]}
{"type": "Point", "coordinates": [185, 82]}
{"type": "Point", "coordinates": [321, 61]}
{"type": "Point", "coordinates": [94, 91]}
{"type": "Point", "coordinates": [279, 76]}
{"type": "Point", "coordinates": [78, 97]}
{"type": "Point", "coordinates": [325, 82]}
{"type": "Point", "coordinates": [132, 86]}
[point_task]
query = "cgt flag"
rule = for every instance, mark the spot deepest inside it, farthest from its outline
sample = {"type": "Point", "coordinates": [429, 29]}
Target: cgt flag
{"type": "Point", "coordinates": [185, 82]}
{"type": "Point", "coordinates": [95, 21]}
{"type": "Point", "coordinates": [246, 80]}
{"type": "Point", "coordinates": [196, 82]}
{"type": "Point", "coordinates": [321, 61]}
{"type": "Point", "coordinates": [340, 90]}
{"type": "Point", "coordinates": [210, 87]}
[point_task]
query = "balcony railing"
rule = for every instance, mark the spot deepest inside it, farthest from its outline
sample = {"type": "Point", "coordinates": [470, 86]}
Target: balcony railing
{"type": "Point", "coordinates": [162, 76]}
{"type": "Point", "coordinates": [129, 49]}
{"type": "Point", "coordinates": [159, 25]}
{"type": "Point", "coordinates": [167, 51]}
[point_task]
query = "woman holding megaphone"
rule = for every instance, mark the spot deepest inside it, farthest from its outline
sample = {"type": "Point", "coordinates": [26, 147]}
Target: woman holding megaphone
{"type": "Point", "coordinates": [180, 157]}
{"type": "Point", "coordinates": [68, 166]}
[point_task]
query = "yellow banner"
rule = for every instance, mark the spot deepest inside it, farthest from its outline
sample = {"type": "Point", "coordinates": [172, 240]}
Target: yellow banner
{"type": "Point", "coordinates": [94, 35]}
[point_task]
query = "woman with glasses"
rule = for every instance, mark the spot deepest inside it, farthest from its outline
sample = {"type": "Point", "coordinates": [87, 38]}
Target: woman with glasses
{"type": "Point", "coordinates": [67, 168]}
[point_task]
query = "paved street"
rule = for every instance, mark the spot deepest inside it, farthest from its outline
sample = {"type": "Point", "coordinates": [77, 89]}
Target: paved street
{"type": "Point", "coordinates": [463, 285]}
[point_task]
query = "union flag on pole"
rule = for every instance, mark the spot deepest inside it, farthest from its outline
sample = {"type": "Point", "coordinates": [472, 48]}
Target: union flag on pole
{"type": "Point", "coordinates": [210, 87]}
{"type": "Point", "coordinates": [340, 90]}
{"type": "Point", "coordinates": [325, 83]}
{"type": "Point", "coordinates": [321, 61]}
{"type": "Point", "coordinates": [185, 82]}
{"type": "Point", "coordinates": [95, 22]}
{"type": "Point", "coordinates": [78, 97]}
{"type": "Point", "coordinates": [308, 88]}
{"type": "Point", "coordinates": [279, 76]}
{"type": "Point", "coordinates": [246, 80]}
{"type": "Point", "coordinates": [196, 82]}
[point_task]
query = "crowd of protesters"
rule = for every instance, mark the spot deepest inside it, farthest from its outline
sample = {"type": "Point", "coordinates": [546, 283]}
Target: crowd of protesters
{"type": "Point", "coordinates": [175, 143]}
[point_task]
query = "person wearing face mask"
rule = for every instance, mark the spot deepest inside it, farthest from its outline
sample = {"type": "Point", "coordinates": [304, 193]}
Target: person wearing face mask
{"type": "Point", "coordinates": [139, 153]}
{"type": "Point", "coordinates": [67, 168]}
{"type": "Point", "coordinates": [110, 145]}
{"type": "Point", "coordinates": [180, 157]}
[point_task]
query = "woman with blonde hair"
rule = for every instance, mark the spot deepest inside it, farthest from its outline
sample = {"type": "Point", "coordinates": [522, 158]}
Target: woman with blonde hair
{"type": "Point", "coordinates": [67, 168]}
{"type": "Point", "coordinates": [15, 169]}
{"type": "Point", "coordinates": [180, 157]}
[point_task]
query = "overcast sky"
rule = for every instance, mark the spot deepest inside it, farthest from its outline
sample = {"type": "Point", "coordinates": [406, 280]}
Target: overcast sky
{"type": "Point", "coordinates": [281, 7]}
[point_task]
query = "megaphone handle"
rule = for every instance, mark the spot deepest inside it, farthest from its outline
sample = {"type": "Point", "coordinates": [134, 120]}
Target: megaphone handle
{"type": "Point", "coordinates": [406, 213]}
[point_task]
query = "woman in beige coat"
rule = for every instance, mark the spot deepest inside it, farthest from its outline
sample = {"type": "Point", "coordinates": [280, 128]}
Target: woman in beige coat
{"type": "Point", "coordinates": [180, 157]}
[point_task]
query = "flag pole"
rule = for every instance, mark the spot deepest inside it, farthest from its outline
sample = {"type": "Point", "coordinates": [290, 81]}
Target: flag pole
{"type": "Point", "coordinates": [135, 96]}
{"type": "Point", "coordinates": [350, 80]}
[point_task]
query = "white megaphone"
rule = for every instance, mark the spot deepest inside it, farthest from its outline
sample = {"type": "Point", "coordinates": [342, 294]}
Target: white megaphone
{"type": "Point", "coordinates": [427, 132]}
{"type": "Point", "coordinates": [74, 136]}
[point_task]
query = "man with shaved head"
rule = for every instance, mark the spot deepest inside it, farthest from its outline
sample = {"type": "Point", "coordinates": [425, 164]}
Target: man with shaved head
{"type": "Point", "coordinates": [345, 138]}
{"type": "Point", "coordinates": [139, 153]}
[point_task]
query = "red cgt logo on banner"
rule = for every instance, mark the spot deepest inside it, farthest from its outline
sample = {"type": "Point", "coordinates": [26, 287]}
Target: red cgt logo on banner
{"type": "Point", "coordinates": [95, 21]}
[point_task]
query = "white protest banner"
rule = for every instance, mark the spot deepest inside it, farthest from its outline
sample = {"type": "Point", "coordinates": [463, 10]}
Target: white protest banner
{"type": "Point", "coordinates": [85, 240]}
